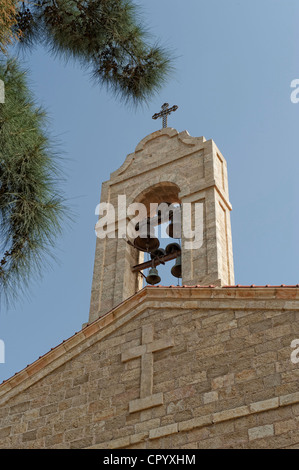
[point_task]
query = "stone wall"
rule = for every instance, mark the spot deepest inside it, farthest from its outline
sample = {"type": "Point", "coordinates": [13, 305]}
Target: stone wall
{"type": "Point", "coordinates": [169, 368]}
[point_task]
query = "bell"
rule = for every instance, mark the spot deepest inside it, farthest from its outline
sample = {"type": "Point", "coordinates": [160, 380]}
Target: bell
{"type": "Point", "coordinates": [153, 277]}
{"type": "Point", "coordinates": [157, 253]}
{"type": "Point", "coordinates": [146, 241]}
{"type": "Point", "coordinates": [176, 270]}
{"type": "Point", "coordinates": [172, 248]}
{"type": "Point", "coordinates": [148, 244]}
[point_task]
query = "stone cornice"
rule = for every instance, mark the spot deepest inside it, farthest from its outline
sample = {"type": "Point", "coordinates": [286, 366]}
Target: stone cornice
{"type": "Point", "coordinates": [201, 421]}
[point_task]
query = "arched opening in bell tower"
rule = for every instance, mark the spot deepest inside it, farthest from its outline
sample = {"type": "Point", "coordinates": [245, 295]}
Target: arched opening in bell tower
{"type": "Point", "coordinates": [163, 210]}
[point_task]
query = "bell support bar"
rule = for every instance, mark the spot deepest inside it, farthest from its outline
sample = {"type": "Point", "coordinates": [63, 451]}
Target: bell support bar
{"type": "Point", "coordinates": [155, 262]}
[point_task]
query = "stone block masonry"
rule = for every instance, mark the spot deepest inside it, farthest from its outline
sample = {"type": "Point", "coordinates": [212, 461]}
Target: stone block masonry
{"type": "Point", "coordinates": [221, 376]}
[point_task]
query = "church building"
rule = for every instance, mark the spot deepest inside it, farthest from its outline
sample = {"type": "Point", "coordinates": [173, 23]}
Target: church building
{"type": "Point", "coordinates": [203, 364]}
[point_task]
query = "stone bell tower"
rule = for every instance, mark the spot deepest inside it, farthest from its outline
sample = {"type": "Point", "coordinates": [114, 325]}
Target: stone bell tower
{"type": "Point", "coordinates": [171, 166]}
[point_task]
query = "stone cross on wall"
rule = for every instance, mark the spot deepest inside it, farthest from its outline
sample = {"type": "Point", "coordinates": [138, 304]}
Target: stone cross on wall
{"type": "Point", "coordinates": [145, 352]}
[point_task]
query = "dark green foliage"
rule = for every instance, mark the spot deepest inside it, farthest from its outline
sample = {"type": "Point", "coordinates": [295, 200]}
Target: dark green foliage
{"type": "Point", "coordinates": [30, 202]}
{"type": "Point", "coordinates": [104, 35]}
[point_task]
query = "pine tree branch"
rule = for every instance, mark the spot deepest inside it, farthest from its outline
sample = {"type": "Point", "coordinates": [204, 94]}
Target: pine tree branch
{"type": "Point", "coordinates": [31, 203]}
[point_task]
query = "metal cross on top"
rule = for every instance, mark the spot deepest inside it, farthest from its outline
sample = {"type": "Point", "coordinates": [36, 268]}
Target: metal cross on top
{"type": "Point", "coordinates": [164, 113]}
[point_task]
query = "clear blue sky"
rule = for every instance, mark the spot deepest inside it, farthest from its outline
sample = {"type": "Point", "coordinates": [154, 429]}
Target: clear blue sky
{"type": "Point", "coordinates": [235, 61]}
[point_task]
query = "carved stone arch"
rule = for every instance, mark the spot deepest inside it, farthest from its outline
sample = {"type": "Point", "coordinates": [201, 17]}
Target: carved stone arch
{"type": "Point", "coordinates": [159, 193]}
{"type": "Point", "coordinates": [167, 132]}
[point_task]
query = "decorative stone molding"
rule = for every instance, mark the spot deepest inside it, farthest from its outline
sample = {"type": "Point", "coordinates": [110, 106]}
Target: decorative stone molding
{"type": "Point", "coordinates": [208, 420]}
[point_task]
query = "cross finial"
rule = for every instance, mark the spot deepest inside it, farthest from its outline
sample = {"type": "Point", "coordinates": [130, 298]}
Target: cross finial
{"type": "Point", "coordinates": [164, 113]}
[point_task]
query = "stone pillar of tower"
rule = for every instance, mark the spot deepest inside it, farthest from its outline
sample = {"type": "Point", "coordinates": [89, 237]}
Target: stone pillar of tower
{"type": "Point", "coordinates": [167, 166]}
